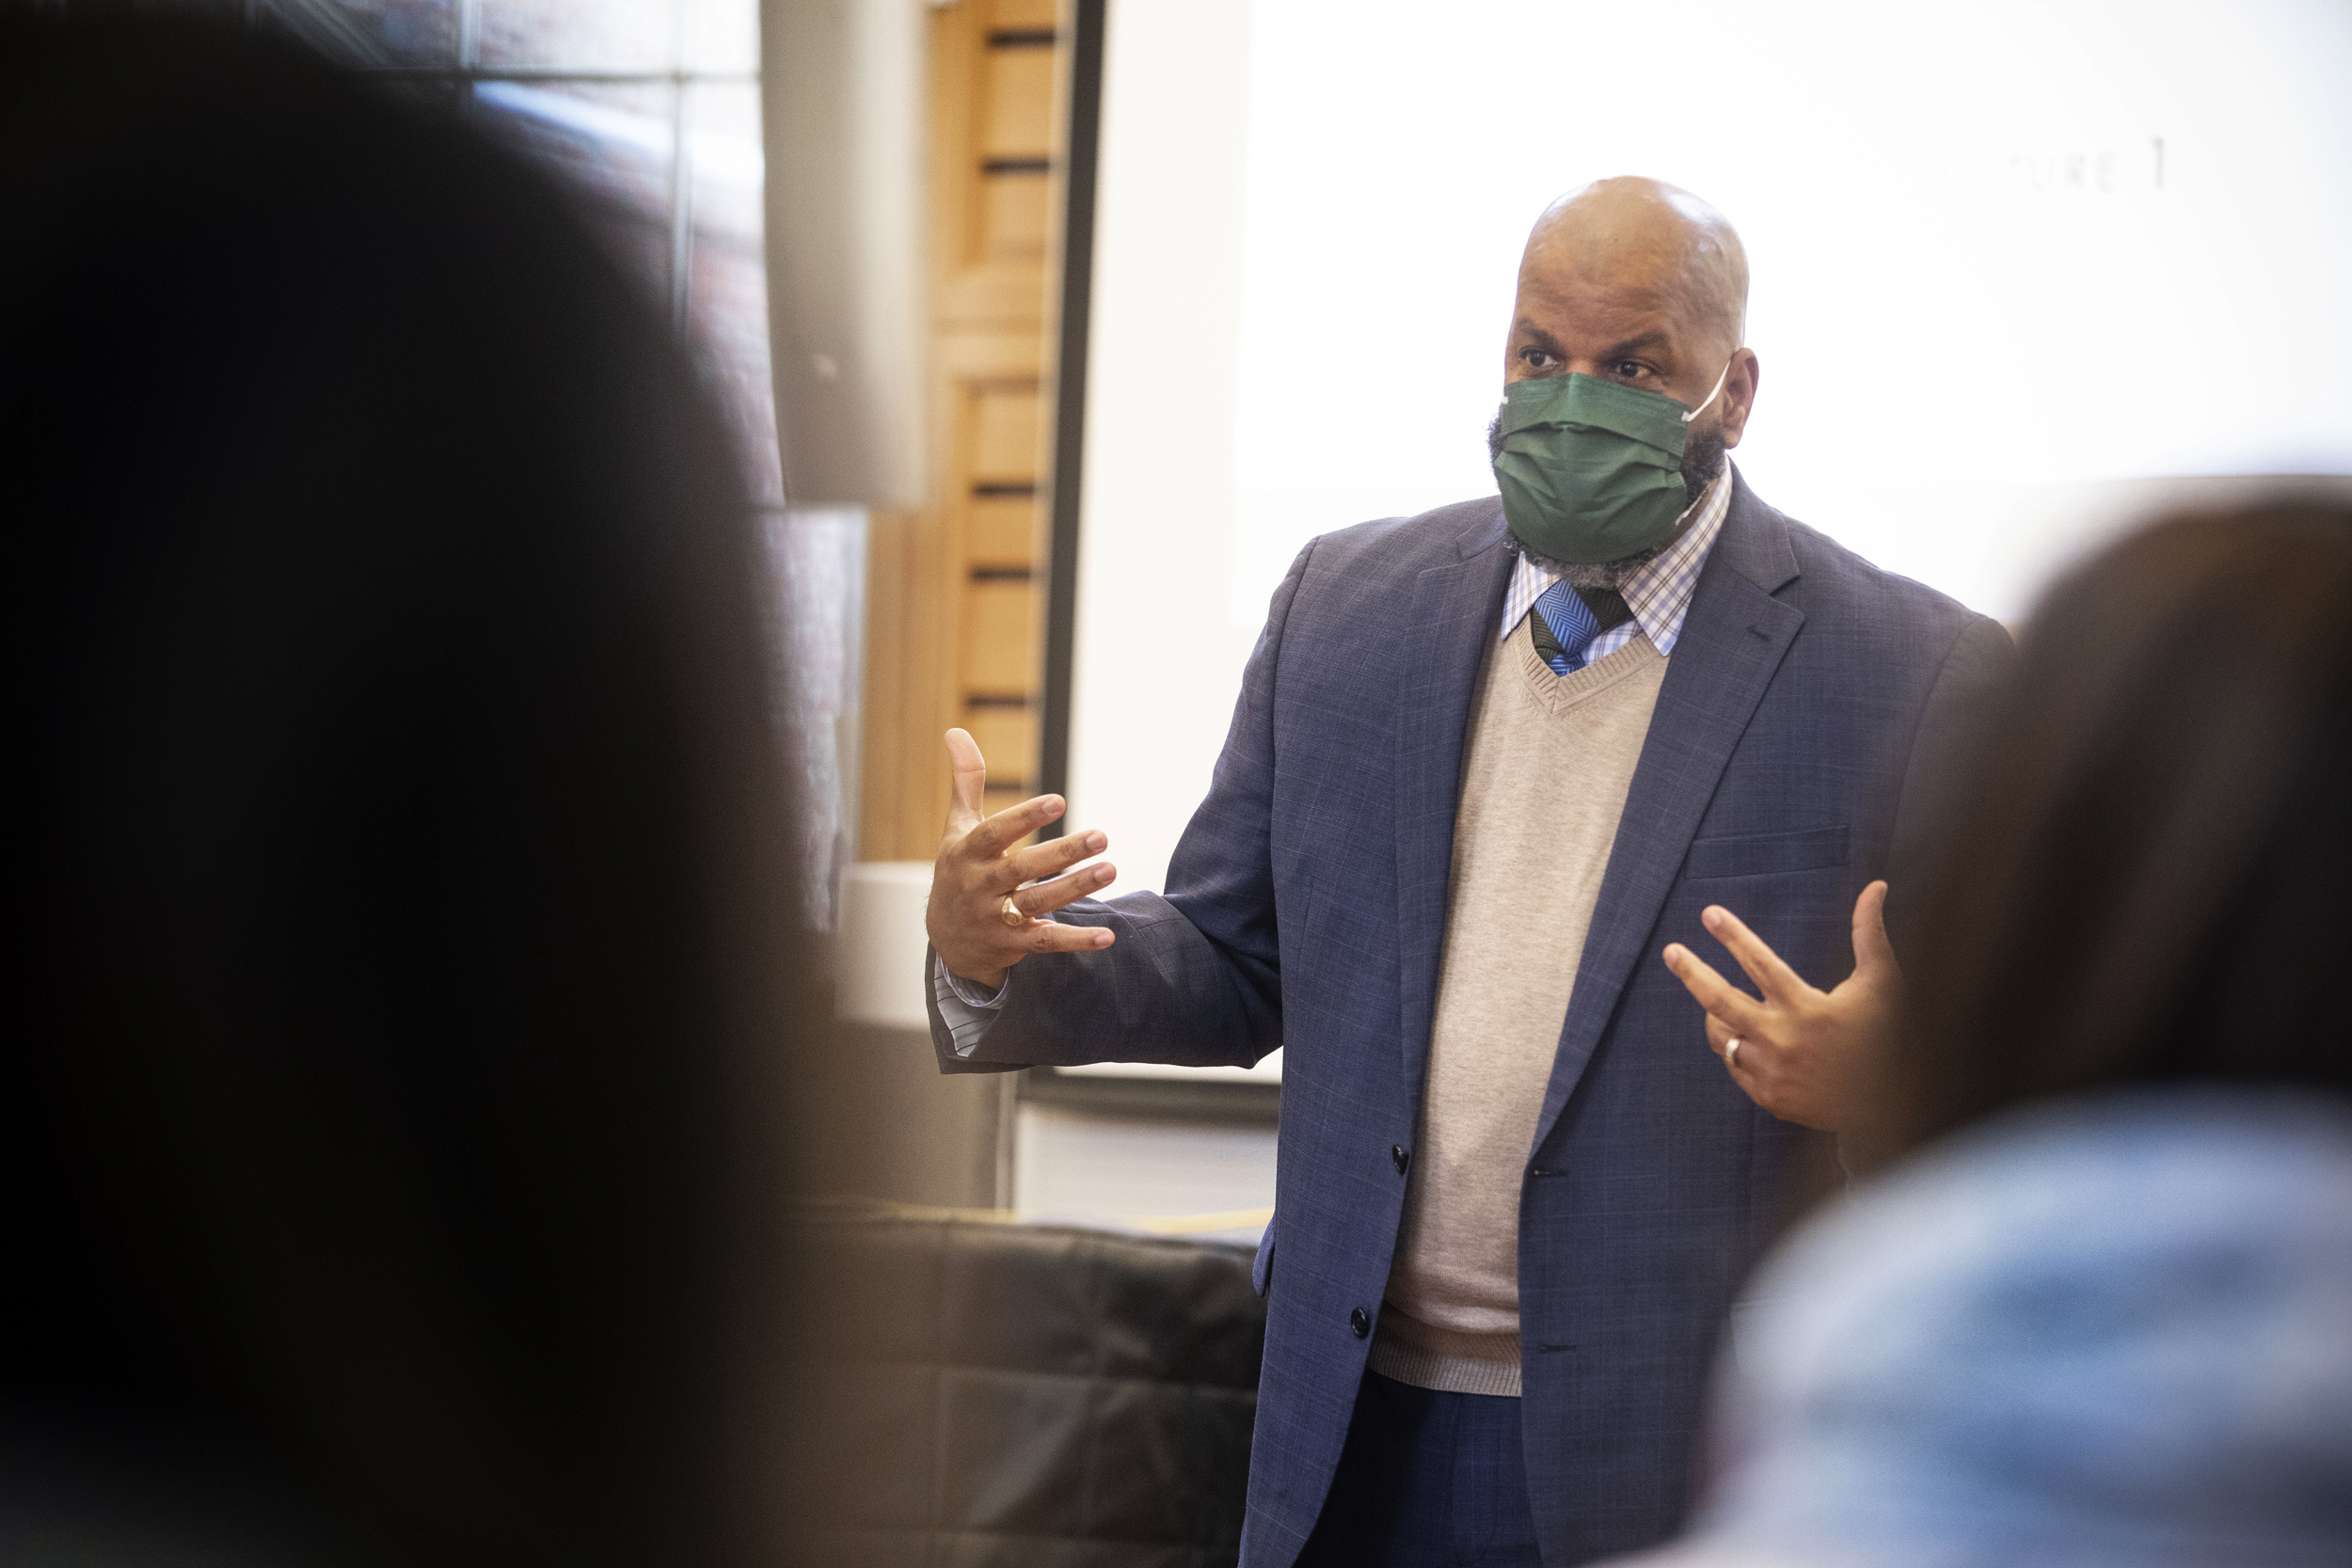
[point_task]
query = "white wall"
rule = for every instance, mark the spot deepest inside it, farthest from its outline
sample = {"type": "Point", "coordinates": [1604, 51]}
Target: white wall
{"type": "Point", "coordinates": [1153, 675]}
{"type": "Point", "coordinates": [1991, 322]}
{"type": "Point", "coordinates": [877, 959]}
{"type": "Point", "coordinates": [1174, 1177]}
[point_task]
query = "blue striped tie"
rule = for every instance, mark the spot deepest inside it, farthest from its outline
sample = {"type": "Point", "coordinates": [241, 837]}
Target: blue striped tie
{"type": "Point", "coordinates": [1563, 612]}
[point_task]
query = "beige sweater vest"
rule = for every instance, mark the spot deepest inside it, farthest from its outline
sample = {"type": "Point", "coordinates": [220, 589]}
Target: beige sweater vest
{"type": "Point", "coordinates": [1551, 759]}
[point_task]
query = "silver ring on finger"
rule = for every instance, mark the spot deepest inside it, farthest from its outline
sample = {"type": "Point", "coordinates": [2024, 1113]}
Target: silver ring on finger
{"type": "Point", "coordinates": [1010, 912]}
{"type": "Point", "coordinates": [1731, 1052]}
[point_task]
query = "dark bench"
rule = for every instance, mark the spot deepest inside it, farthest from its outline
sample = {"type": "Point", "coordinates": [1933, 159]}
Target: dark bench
{"type": "Point", "coordinates": [973, 1393]}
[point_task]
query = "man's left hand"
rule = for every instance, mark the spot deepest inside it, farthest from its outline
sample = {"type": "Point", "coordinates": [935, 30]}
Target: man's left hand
{"type": "Point", "coordinates": [1803, 1054]}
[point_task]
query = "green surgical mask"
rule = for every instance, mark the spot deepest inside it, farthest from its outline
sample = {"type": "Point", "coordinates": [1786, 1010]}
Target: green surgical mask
{"type": "Point", "coordinates": [1590, 470]}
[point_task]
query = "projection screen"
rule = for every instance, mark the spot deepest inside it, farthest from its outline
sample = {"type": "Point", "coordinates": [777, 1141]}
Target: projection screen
{"type": "Point", "coordinates": [2021, 273]}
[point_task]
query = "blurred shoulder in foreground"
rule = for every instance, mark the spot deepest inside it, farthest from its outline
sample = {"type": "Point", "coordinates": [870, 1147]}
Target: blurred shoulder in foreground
{"type": "Point", "coordinates": [2110, 1332]}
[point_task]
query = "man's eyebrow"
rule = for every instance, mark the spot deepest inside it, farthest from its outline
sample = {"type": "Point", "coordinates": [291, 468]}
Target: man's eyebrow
{"type": "Point", "coordinates": [1537, 338]}
{"type": "Point", "coordinates": [1636, 346]}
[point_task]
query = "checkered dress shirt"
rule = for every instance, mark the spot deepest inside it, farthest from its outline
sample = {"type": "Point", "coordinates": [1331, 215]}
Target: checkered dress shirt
{"type": "Point", "coordinates": [1659, 595]}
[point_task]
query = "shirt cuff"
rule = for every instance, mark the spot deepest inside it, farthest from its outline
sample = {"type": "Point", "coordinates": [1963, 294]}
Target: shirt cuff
{"type": "Point", "coordinates": [967, 1009]}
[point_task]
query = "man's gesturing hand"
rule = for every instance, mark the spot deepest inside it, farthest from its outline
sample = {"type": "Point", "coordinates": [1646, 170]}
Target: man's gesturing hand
{"type": "Point", "coordinates": [1806, 1056]}
{"type": "Point", "coordinates": [979, 870]}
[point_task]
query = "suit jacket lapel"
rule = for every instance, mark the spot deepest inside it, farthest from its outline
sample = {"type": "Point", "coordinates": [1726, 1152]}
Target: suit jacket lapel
{"type": "Point", "coordinates": [1452, 622]}
{"type": "Point", "coordinates": [1732, 641]}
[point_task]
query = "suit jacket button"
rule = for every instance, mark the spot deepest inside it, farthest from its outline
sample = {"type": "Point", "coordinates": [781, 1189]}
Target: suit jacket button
{"type": "Point", "coordinates": [1399, 1158]}
{"type": "Point", "coordinates": [1360, 1321]}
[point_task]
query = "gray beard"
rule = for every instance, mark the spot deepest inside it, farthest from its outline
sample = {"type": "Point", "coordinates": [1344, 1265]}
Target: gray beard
{"type": "Point", "coordinates": [1702, 459]}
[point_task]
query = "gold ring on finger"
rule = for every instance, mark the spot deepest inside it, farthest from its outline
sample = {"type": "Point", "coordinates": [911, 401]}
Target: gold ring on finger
{"type": "Point", "coordinates": [1731, 1052]}
{"type": "Point", "coordinates": [1012, 913]}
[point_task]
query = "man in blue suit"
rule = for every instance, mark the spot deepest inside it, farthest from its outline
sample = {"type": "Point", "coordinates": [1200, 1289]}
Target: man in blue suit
{"type": "Point", "coordinates": [1485, 761]}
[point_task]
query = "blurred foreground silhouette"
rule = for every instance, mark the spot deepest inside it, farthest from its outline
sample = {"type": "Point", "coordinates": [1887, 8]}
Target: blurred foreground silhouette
{"type": "Point", "coordinates": [389, 1105]}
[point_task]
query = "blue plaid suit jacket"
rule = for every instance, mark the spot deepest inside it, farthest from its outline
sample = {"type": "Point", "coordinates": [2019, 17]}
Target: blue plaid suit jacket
{"type": "Point", "coordinates": [1793, 756]}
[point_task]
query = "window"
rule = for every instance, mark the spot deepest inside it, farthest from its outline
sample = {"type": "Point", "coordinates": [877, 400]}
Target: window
{"type": "Point", "coordinates": [649, 108]}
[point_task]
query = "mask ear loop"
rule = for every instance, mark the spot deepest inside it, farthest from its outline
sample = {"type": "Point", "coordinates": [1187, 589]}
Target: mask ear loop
{"type": "Point", "coordinates": [1711, 397]}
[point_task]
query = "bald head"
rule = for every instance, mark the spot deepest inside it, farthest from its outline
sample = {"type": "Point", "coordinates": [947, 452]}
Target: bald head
{"type": "Point", "coordinates": [1646, 237]}
{"type": "Point", "coordinates": [1638, 283]}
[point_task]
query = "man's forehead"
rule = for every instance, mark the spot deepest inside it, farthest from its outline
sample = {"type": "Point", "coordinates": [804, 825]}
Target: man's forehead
{"type": "Point", "coordinates": [1590, 314]}
{"type": "Point", "coordinates": [1646, 277]}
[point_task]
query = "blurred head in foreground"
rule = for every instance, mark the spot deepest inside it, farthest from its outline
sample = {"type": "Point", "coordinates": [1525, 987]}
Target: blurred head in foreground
{"type": "Point", "coordinates": [2100, 1309]}
{"type": "Point", "coordinates": [397, 856]}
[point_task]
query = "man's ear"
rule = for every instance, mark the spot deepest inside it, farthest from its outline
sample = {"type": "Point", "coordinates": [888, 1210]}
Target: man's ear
{"type": "Point", "coordinates": [1738, 394]}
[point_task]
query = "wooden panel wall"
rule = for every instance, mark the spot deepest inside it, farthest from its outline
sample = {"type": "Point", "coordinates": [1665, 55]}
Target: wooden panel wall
{"type": "Point", "coordinates": [954, 590]}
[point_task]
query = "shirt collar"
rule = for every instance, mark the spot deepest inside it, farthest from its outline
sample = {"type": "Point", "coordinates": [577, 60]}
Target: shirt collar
{"type": "Point", "coordinates": [1660, 594]}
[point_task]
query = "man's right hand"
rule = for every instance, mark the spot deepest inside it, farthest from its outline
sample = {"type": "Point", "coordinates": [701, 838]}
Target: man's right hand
{"type": "Point", "coordinates": [979, 876]}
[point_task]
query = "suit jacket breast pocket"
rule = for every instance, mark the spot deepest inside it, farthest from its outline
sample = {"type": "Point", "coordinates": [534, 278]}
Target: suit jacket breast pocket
{"type": "Point", "coordinates": [1763, 854]}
